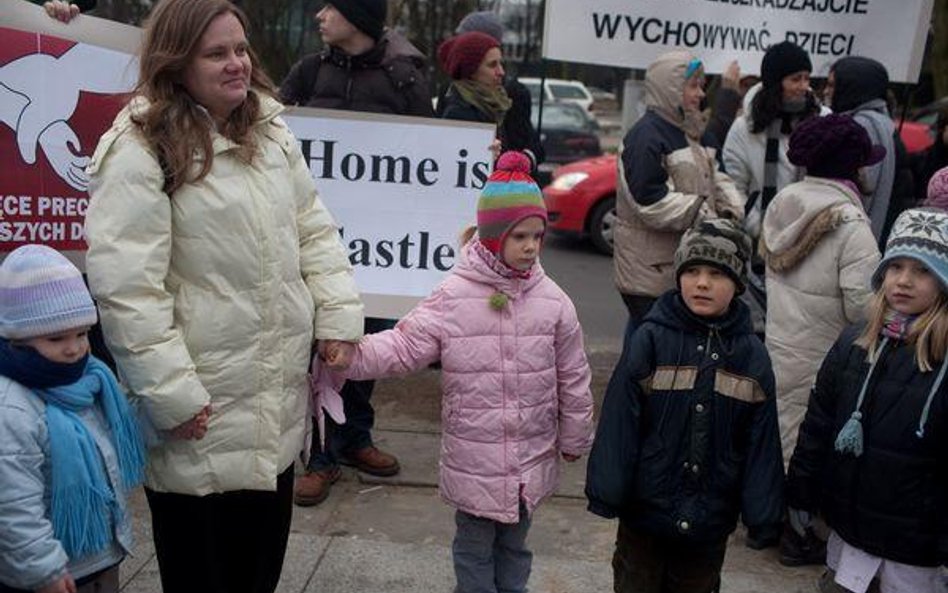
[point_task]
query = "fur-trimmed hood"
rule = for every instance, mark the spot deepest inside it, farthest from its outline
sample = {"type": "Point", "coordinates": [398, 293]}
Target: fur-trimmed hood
{"type": "Point", "coordinates": [800, 216]}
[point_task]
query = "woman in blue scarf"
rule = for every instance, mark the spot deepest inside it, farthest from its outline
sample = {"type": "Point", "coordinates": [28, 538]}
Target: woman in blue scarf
{"type": "Point", "coordinates": [70, 448]}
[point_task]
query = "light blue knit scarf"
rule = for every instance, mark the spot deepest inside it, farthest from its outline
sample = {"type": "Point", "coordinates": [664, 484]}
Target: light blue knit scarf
{"type": "Point", "coordinates": [83, 504]}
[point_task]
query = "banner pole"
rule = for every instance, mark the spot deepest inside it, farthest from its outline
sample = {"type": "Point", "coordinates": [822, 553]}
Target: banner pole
{"type": "Point", "coordinates": [543, 64]}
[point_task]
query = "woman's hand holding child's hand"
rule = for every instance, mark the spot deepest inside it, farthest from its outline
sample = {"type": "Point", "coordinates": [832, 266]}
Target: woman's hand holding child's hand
{"type": "Point", "coordinates": [195, 428]}
{"type": "Point", "coordinates": [569, 457]}
{"type": "Point", "coordinates": [63, 585]}
{"type": "Point", "coordinates": [336, 354]}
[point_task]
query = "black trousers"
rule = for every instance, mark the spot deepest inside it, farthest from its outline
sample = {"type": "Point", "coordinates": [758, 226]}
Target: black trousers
{"type": "Point", "coordinates": [638, 306]}
{"type": "Point", "coordinates": [646, 564]}
{"type": "Point", "coordinates": [233, 542]}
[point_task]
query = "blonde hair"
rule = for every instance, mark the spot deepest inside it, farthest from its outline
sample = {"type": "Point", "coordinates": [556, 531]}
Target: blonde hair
{"type": "Point", "coordinates": [174, 124]}
{"type": "Point", "coordinates": [929, 333]}
{"type": "Point", "coordinates": [466, 235]}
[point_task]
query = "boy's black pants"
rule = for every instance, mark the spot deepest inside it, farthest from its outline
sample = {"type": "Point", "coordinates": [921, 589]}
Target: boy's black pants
{"type": "Point", "coordinates": [646, 564]}
{"type": "Point", "coordinates": [232, 542]}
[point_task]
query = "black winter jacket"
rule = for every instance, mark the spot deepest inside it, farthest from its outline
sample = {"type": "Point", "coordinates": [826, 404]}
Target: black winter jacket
{"type": "Point", "coordinates": [892, 501]}
{"type": "Point", "coordinates": [688, 435]}
{"type": "Point", "coordinates": [389, 78]}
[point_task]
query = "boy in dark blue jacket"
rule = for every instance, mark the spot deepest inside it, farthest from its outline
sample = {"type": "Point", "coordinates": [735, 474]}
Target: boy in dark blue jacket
{"type": "Point", "coordinates": [688, 437]}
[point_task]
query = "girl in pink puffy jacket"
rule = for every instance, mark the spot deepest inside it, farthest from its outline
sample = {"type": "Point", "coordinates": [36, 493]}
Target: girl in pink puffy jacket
{"type": "Point", "coordinates": [514, 376]}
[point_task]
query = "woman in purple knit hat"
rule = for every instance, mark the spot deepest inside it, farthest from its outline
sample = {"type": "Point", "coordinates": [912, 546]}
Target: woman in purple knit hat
{"type": "Point", "coordinates": [819, 251]}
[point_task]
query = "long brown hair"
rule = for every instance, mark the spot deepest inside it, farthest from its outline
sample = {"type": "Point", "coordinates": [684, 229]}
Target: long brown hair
{"type": "Point", "coordinates": [174, 124]}
{"type": "Point", "coordinates": [929, 333]}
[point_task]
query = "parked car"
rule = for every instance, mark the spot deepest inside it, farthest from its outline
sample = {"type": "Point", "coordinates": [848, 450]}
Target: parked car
{"type": "Point", "coordinates": [567, 133]}
{"type": "Point", "coordinates": [603, 100]}
{"type": "Point", "coordinates": [557, 89]}
{"type": "Point", "coordinates": [581, 200]}
{"type": "Point", "coordinates": [919, 129]}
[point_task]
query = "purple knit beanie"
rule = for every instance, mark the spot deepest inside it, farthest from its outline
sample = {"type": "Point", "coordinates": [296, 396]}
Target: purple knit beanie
{"type": "Point", "coordinates": [834, 146]}
{"type": "Point", "coordinates": [42, 293]}
{"type": "Point", "coordinates": [938, 190]}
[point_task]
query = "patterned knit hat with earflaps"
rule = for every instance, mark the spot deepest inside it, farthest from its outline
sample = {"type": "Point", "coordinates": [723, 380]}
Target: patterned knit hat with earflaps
{"type": "Point", "coordinates": [921, 234]}
{"type": "Point", "coordinates": [509, 196]}
{"type": "Point", "coordinates": [717, 242]}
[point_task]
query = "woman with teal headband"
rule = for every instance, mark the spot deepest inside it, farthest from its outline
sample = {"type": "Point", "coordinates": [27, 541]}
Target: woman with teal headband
{"type": "Point", "coordinates": [668, 181]}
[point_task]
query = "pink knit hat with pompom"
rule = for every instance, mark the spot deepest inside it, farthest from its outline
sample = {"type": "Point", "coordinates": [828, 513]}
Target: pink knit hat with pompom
{"type": "Point", "coordinates": [509, 196]}
{"type": "Point", "coordinates": [938, 190]}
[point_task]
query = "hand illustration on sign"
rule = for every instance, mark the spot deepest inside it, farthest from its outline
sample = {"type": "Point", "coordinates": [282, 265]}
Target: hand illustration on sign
{"type": "Point", "coordinates": [38, 96]}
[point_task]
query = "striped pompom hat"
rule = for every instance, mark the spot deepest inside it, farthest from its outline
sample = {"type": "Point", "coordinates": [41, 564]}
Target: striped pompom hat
{"type": "Point", "coordinates": [42, 293]}
{"type": "Point", "coordinates": [509, 196]}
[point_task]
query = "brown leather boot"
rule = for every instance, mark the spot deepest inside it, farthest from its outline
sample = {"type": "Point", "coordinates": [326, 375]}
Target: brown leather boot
{"type": "Point", "coordinates": [372, 460]}
{"type": "Point", "coordinates": [313, 488]}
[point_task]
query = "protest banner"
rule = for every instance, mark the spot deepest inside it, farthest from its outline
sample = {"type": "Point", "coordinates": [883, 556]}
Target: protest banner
{"type": "Point", "coordinates": [60, 88]}
{"type": "Point", "coordinates": [632, 33]}
{"type": "Point", "coordinates": [401, 189]}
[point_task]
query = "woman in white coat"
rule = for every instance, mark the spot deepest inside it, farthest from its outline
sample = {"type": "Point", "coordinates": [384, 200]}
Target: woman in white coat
{"type": "Point", "coordinates": [755, 150]}
{"type": "Point", "coordinates": [216, 268]}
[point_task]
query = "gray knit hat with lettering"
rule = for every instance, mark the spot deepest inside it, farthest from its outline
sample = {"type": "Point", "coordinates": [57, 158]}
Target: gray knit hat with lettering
{"type": "Point", "coordinates": [717, 242]}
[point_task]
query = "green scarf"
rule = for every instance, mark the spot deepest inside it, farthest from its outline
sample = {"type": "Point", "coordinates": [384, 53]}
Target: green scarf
{"type": "Point", "coordinates": [490, 100]}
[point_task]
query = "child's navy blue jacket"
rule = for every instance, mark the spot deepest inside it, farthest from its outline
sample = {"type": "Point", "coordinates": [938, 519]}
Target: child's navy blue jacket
{"type": "Point", "coordinates": [688, 436]}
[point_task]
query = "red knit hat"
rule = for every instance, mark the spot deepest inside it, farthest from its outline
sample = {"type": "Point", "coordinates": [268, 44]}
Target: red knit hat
{"type": "Point", "coordinates": [460, 56]}
{"type": "Point", "coordinates": [509, 196]}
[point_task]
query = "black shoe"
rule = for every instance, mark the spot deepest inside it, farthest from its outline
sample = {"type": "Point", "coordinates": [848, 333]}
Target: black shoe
{"type": "Point", "coordinates": [801, 551]}
{"type": "Point", "coordinates": [761, 541]}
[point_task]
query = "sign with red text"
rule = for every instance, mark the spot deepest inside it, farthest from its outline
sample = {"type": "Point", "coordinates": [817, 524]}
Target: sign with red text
{"type": "Point", "coordinates": [58, 94]}
{"type": "Point", "coordinates": [401, 189]}
{"type": "Point", "coordinates": [633, 33]}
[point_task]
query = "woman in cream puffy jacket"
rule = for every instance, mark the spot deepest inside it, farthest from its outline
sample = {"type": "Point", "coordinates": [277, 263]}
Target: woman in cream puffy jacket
{"type": "Point", "coordinates": [820, 252]}
{"type": "Point", "coordinates": [216, 268]}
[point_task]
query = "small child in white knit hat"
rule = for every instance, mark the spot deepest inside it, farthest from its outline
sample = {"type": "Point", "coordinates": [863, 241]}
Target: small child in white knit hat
{"type": "Point", "coordinates": [70, 445]}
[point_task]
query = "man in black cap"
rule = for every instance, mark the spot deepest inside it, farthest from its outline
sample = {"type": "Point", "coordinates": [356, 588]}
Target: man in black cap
{"type": "Point", "coordinates": [363, 67]}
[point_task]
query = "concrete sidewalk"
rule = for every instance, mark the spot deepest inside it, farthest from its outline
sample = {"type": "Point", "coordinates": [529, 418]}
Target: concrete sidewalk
{"type": "Point", "coordinates": [376, 535]}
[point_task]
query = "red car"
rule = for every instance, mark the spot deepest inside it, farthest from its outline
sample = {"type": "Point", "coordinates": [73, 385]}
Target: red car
{"type": "Point", "coordinates": [581, 198]}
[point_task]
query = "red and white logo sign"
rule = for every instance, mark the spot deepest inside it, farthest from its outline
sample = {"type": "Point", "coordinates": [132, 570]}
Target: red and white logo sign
{"type": "Point", "coordinates": [57, 97]}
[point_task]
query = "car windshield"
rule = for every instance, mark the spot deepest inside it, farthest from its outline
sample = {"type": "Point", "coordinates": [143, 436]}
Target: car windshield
{"type": "Point", "coordinates": [567, 91]}
{"type": "Point", "coordinates": [564, 117]}
{"type": "Point", "coordinates": [534, 89]}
